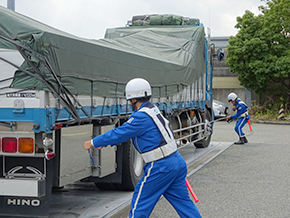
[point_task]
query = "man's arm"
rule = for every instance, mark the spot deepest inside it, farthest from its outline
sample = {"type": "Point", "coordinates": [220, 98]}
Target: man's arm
{"type": "Point", "coordinates": [132, 128]}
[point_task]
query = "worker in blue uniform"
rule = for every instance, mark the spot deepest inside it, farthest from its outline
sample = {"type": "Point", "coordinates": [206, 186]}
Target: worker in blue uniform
{"type": "Point", "coordinates": [241, 115]}
{"type": "Point", "coordinates": [165, 170]}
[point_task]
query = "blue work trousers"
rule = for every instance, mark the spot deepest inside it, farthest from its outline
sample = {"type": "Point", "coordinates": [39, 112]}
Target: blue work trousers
{"type": "Point", "coordinates": [241, 122]}
{"type": "Point", "coordinates": [164, 177]}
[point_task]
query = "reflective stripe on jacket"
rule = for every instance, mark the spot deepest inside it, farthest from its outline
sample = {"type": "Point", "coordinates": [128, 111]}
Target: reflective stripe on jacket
{"type": "Point", "coordinates": [167, 145]}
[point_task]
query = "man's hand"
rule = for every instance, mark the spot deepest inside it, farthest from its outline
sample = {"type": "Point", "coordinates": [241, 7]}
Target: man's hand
{"type": "Point", "coordinates": [88, 145]}
{"type": "Point", "coordinates": [229, 117]}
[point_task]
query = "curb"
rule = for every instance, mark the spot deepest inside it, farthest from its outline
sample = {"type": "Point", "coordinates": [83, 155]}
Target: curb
{"type": "Point", "coordinates": [274, 122]}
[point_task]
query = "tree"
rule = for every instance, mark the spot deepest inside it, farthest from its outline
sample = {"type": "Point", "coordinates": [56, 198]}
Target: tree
{"type": "Point", "coordinates": [260, 52]}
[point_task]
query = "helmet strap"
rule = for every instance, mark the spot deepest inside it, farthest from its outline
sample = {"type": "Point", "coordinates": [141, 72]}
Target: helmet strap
{"type": "Point", "coordinates": [134, 104]}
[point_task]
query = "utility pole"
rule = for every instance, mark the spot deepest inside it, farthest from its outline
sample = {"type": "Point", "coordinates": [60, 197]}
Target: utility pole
{"type": "Point", "coordinates": [11, 4]}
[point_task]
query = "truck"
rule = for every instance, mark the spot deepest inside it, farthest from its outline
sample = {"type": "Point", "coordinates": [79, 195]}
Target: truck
{"type": "Point", "coordinates": [58, 90]}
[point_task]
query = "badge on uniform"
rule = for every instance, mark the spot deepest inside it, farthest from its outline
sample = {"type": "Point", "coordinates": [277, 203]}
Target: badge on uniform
{"type": "Point", "coordinates": [130, 120]}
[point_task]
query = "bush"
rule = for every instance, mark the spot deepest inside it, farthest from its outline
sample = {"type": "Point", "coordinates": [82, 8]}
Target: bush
{"type": "Point", "coordinates": [266, 112]}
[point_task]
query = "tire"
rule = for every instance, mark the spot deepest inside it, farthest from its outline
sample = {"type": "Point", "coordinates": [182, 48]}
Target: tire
{"type": "Point", "coordinates": [205, 142]}
{"type": "Point", "coordinates": [132, 170]}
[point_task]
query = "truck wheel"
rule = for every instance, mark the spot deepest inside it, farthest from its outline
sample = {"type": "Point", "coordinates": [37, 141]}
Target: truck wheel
{"type": "Point", "coordinates": [132, 167]}
{"type": "Point", "coordinates": [205, 142]}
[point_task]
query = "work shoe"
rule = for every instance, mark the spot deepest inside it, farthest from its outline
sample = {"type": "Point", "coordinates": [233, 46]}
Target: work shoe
{"type": "Point", "coordinates": [240, 142]}
{"type": "Point", "coordinates": [245, 139]}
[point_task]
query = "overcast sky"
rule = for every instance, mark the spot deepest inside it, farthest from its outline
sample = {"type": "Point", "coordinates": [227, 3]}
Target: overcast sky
{"type": "Point", "coordinates": [90, 18]}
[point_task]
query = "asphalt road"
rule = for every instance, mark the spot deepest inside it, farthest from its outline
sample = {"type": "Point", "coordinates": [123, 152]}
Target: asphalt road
{"type": "Point", "coordinates": [85, 200]}
{"type": "Point", "coordinates": [250, 180]}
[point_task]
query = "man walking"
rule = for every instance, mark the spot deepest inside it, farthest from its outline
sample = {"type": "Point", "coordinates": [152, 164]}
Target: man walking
{"type": "Point", "coordinates": [165, 170]}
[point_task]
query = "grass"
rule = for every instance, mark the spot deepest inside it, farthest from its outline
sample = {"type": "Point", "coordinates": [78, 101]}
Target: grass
{"type": "Point", "coordinates": [266, 114]}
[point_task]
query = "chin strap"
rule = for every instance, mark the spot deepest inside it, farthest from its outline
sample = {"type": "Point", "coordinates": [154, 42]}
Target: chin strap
{"type": "Point", "coordinates": [134, 104]}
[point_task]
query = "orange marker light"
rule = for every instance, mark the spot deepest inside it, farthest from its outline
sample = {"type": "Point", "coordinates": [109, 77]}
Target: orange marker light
{"type": "Point", "coordinates": [26, 145]}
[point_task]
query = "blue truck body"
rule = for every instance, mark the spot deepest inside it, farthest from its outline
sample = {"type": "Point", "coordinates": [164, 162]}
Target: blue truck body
{"type": "Point", "coordinates": [48, 110]}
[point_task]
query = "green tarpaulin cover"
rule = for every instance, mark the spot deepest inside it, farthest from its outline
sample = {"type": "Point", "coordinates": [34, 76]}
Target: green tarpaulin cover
{"type": "Point", "coordinates": [163, 19]}
{"type": "Point", "coordinates": [169, 57]}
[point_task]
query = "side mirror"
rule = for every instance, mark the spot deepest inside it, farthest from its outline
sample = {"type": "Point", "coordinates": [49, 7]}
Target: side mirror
{"type": "Point", "coordinates": [220, 54]}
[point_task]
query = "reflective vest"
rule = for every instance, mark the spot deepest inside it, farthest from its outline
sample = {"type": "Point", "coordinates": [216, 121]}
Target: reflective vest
{"type": "Point", "coordinates": [167, 145]}
{"type": "Point", "coordinates": [240, 102]}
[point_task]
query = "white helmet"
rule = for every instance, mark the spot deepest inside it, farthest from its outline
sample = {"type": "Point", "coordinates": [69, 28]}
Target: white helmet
{"type": "Point", "coordinates": [137, 88]}
{"type": "Point", "coordinates": [232, 96]}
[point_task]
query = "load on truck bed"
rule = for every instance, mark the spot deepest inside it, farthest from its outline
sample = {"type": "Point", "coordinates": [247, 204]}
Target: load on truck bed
{"type": "Point", "coordinates": [58, 90]}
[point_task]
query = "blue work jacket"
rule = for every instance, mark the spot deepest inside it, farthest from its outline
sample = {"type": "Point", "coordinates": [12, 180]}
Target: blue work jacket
{"type": "Point", "coordinates": [241, 108]}
{"type": "Point", "coordinates": [140, 127]}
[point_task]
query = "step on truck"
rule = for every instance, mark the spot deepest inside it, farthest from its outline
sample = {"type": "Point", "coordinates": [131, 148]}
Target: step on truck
{"type": "Point", "coordinates": [58, 90]}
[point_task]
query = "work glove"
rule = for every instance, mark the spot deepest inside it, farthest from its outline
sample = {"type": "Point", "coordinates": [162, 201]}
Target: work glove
{"type": "Point", "coordinates": [230, 120]}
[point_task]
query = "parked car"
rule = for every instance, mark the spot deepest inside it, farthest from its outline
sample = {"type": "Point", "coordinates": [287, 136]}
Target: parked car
{"type": "Point", "coordinates": [220, 109]}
